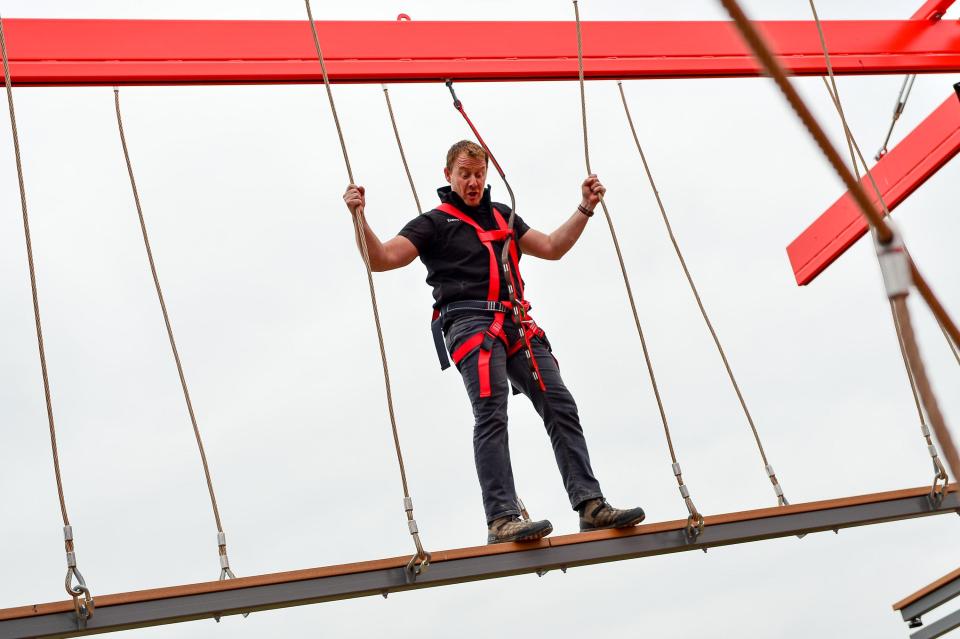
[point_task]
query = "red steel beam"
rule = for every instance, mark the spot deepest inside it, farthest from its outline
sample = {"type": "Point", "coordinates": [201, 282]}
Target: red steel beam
{"type": "Point", "coordinates": [932, 10]}
{"type": "Point", "coordinates": [164, 52]}
{"type": "Point", "coordinates": [898, 174]}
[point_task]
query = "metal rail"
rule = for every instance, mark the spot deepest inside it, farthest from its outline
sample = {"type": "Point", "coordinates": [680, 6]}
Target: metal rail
{"type": "Point", "coordinates": [247, 594]}
{"type": "Point", "coordinates": [170, 52]}
{"type": "Point", "coordinates": [941, 591]}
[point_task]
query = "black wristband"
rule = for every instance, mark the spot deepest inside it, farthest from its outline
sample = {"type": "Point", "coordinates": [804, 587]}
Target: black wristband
{"type": "Point", "coordinates": [584, 210]}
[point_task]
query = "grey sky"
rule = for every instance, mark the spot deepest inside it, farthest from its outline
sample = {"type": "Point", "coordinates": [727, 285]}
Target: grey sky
{"type": "Point", "coordinates": [241, 189]}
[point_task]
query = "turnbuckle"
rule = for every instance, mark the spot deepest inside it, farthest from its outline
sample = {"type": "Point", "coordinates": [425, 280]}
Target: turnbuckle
{"type": "Point", "coordinates": [456, 101]}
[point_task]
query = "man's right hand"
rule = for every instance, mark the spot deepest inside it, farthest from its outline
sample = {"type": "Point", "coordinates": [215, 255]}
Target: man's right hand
{"type": "Point", "coordinates": [355, 198]}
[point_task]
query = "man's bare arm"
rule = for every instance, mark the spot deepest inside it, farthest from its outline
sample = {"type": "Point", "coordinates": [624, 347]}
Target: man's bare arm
{"type": "Point", "coordinates": [556, 244]}
{"type": "Point", "coordinates": [384, 256]}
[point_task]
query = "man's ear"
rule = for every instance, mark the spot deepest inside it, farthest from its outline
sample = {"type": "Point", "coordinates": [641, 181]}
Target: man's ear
{"type": "Point", "coordinates": [446, 174]}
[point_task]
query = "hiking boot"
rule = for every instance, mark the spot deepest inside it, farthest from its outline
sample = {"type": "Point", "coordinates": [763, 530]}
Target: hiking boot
{"type": "Point", "coordinates": [597, 514]}
{"type": "Point", "coordinates": [512, 528]}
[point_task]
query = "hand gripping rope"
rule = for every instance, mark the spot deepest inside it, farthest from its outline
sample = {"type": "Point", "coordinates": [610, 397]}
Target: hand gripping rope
{"type": "Point", "coordinates": [225, 571]}
{"type": "Point", "coordinates": [894, 260]}
{"type": "Point", "coordinates": [74, 583]}
{"type": "Point", "coordinates": [884, 233]}
{"type": "Point", "coordinates": [777, 489]}
{"type": "Point", "coordinates": [421, 560]}
{"type": "Point", "coordinates": [695, 519]}
{"type": "Point", "coordinates": [413, 190]}
{"type": "Point", "coordinates": [516, 301]}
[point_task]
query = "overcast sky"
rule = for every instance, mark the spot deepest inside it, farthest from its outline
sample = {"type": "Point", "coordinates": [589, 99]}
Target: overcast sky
{"type": "Point", "coordinates": [241, 189]}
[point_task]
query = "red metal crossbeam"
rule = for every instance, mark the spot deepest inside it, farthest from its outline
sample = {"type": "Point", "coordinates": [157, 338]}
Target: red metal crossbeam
{"type": "Point", "coordinates": [107, 52]}
{"type": "Point", "coordinates": [898, 174]}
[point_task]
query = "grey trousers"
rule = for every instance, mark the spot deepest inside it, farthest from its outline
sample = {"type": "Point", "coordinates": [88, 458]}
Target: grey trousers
{"type": "Point", "coordinates": [555, 406]}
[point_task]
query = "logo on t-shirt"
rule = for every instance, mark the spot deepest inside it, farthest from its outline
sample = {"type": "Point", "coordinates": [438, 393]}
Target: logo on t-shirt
{"type": "Point", "coordinates": [452, 219]}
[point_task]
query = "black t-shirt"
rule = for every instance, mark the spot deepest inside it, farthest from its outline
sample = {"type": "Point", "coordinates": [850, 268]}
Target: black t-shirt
{"type": "Point", "coordinates": [458, 265]}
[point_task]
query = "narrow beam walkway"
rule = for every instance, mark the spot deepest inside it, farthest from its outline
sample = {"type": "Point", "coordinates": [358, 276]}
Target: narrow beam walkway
{"type": "Point", "coordinates": [928, 598]}
{"type": "Point", "coordinates": [380, 577]}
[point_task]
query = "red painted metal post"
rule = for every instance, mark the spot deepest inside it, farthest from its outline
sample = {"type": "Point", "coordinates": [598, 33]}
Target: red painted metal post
{"type": "Point", "coordinates": [898, 174]}
{"type": "Point", "coordinates": [163, 52]}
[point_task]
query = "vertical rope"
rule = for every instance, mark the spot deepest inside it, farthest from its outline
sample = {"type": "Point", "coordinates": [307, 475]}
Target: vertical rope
{"type": "Point", "coordinates": [778, 490]}
{"type": "Point", "coordinates": [695, 521]}
{"type": "Point", "coordinates": [225, 571]}
{"type": "Point", "coordinates": [885, 235]}
{"type": "Point", "coordinates": [421, 560]}
{"type": "Point", "coordinates": [84, 610]}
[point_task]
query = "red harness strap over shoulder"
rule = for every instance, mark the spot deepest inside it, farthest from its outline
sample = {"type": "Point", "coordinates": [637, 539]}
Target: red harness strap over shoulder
{"type": "Point", "coordinates": [484, 340]}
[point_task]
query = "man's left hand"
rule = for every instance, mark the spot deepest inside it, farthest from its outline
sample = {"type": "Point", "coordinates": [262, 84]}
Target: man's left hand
{"type": "Point", "coordinates": [592, 190]}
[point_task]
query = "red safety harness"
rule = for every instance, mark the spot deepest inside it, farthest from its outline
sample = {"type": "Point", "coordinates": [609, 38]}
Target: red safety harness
{"type": "Point", "coordinates": [485, 339]}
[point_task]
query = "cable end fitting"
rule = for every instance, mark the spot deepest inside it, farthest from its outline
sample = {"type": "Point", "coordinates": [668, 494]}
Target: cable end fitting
{"type": "Point", "coordinates": [456, 101]}
{"type": "Point", "coordinates": [894, 264]}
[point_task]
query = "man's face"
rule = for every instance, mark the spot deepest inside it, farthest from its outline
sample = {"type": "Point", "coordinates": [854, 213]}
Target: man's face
{"type": "Point", "coordinates": [467, 178]}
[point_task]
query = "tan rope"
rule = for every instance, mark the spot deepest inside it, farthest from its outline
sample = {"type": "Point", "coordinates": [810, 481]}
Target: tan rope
{"type": "Point", "coordinates": [403, 156]}
{"type": "Point", "coordinates": [421, 560]}
{"type": "Point", "coordinates": [695, 521]}
{"type": "Point", "coordinates": [83, 609]}
{"type": "Point", "coordinates": [225, 570]}
{"type": "Point", "coordinates": [856, 154]}
{"type": "Point", "coordinates": [778, 490]}
{"type": "Point", "coordinates": [884, 234]}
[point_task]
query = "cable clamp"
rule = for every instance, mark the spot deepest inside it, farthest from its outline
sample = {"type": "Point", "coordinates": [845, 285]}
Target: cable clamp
{"type": "Point", "coordinates": [221, 539]}
{"type": "Point", "coordinates": [68, 533]}
{"type": "Point", "coordinates": [770, 471]}
{"type": "Point", "coordinates": [894, 264]}
{"type": "Point", "coordinates": [71, 559]}
{"type": "Point", "coordinates": [412, 525]}
{"type": "Point", "coordinates": [925, 430]}
{"type": "Point", "coordinates": [932, 450]}
{"type": "Point", "coordinates": [684, 491]}
{"type": "Point", "coordinates": [778, 490]}
{"type": "Point", "coordinates": [408, 504]}
{"type": "Point", "coordinates": [676, 470]}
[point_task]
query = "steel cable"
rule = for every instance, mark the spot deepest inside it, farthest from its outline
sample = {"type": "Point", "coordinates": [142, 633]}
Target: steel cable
{"type": "Point", "coordinates": [768, 468]}
{"type": "Point", "coordinates": [403, 156]}
{"type": "Point", "coordinates": [83, 609]}
{"type": "Point", "coordinates": [695, 520]}
{"type": "Point", "coordinates": [421, 560]}
{"type": "Point", "coordinates": [225, 571]}
{"type": "Point", "coordinates": [856, 159]}
{"type": "Point", "coordinates": [885, 235]}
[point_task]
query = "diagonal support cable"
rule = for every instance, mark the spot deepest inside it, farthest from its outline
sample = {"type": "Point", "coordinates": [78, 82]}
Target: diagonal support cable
{"type": "Point", "coordinates": [777, 489]}
{"type": "Point", "coordinates": [225, 571]}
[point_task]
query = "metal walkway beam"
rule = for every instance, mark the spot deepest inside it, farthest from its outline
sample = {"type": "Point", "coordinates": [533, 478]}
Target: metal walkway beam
{"type": "Point", "coordinates": [279, 590]}
{"type": "Point", "coordinates": [929, 597]}
{"type": "Point", "coordinates": [167, 52]}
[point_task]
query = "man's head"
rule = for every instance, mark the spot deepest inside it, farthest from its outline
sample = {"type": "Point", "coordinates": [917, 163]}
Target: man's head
{"type": "Point", "coordinates": [466, 171]}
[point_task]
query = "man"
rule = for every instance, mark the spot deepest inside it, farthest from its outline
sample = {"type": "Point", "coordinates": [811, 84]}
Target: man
{"type": "Point", "coordinates": [460, 243]}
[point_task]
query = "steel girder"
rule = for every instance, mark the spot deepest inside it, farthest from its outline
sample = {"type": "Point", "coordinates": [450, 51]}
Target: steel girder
{"type": "Point", "coordinates": [898, 174]}
{"type": "Point", "coordinates": [184, 603]}
{"type": "Point", "coordinates": [164, 52]}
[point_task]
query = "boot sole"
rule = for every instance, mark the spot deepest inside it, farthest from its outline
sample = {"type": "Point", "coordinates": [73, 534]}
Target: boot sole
{"type": "Point", "coordinates": [630, 523]}
{"type": "Point", "coordinates": [529, 536]}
